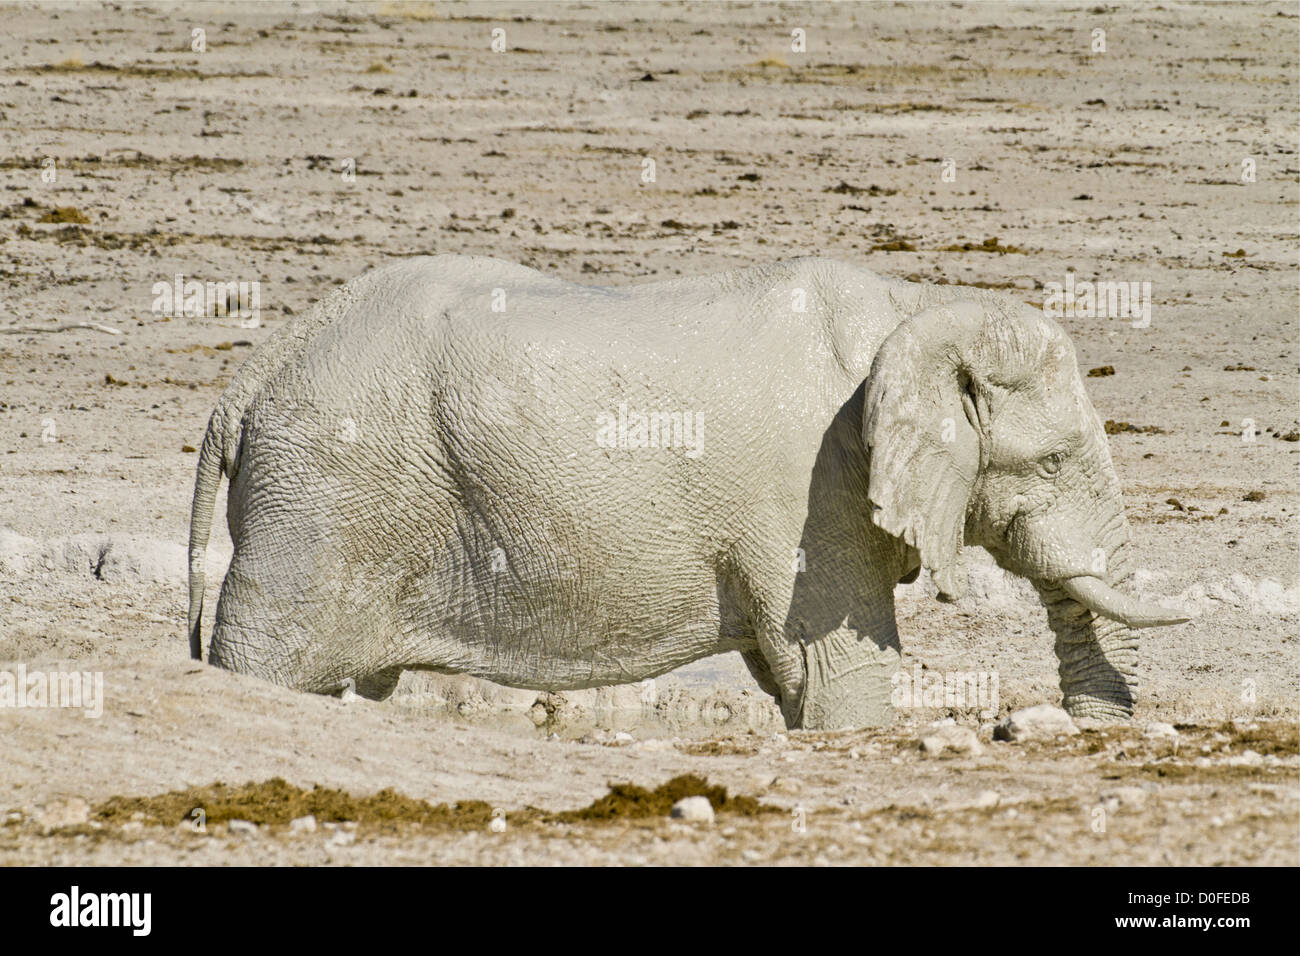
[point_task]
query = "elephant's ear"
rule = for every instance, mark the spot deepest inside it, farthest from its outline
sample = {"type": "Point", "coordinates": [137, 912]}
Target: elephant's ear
{"type": "Point", "coordinates": [925, 424]}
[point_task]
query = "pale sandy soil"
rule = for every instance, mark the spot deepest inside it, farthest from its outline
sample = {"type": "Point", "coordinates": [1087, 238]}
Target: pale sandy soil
{"type": "Point", "coordinates": [224, 165]}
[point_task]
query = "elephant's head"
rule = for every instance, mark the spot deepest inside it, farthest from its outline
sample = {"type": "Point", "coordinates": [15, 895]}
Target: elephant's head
{"type": "Point", "coordinates": [981, 433]}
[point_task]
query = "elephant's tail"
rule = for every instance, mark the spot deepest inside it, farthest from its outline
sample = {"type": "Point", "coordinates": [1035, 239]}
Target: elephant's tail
{"type": "Point", "coordinates": [206, 484]}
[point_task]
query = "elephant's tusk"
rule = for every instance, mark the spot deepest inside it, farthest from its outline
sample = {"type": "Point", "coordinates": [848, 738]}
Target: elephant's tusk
{"type": "Point", "coordinates": [1096, 595]}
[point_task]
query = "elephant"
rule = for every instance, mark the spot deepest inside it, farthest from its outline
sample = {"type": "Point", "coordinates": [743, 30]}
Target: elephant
{"type": "Point", "coordinates": [458, 464]}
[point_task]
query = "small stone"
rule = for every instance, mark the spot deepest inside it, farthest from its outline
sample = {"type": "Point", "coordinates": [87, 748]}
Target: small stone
{"type": "Point", "coordinates": [1124, 797]}
{"type": "Point", "coordinates": [693, 809]}
{"type": "Point", "coordinates": [787, 785]}
{"type": "Point", "coordinates": [1157, 729]}
{"type": "Point", "coordinates": [1035, 723]}
{"type": "Point", "coordinates": [1247, 759]}
{"type": "Point", "coordinates": [305, 824]}
{"type": "Point", "coordinates": [63, 812]}
{"type": "Point", "coordinates": [242, 826]}
{"type": "Point", "coordinates": [343, 838]}
{"type": "Point", "coordinates": [946, 735]}
{"type": "Point", "coordinates": [987, 799]}
{"type": "Point", "coordinates": [622, 737]}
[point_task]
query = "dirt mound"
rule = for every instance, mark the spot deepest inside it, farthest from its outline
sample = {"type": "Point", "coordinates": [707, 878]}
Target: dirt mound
{"type": "Point", "coordinates": [276, 803]}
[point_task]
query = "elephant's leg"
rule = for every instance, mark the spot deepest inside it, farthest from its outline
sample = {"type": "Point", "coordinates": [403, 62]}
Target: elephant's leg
{"type": "Point", "coordinates": [840, 678]}
{"type": "Point", "coordinates": [762, 673]}
{"type": "Point", "coordinates": [848, 676]}
{"type": "Point", "coordinates": [293, 612]}
{"type": "Point", "coordinates": [248, 637]}
{"type": "Point", "coordinates": [834, 648]}
{"type": "Point", "coordinates": [826, 625]}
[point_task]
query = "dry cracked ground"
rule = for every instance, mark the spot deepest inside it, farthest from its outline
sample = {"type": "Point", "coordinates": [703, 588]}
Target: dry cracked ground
{"type": "Point", "coordinates": [297, 145]}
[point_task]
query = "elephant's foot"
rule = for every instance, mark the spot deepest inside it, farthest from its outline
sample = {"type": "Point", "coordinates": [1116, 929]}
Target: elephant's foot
{"type": "Point", "coordinates": [847, 683]}
{"type": "Point", "coordinates": [242, 649]}
{"type": "Point", "coordinates": [1085, 706]}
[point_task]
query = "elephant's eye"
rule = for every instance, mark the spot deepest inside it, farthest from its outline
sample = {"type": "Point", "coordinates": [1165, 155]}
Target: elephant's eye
{"type": "Point", "coordinates": [1049, 466]}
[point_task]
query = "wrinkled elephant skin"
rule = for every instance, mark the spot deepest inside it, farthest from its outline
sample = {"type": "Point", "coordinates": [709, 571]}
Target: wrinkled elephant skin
{"type": "Point", "coordinates": [461, 465]}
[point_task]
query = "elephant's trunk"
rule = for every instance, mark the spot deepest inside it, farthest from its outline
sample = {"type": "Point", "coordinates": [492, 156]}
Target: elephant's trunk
{"type": "Point", "coordinates": [1097, 655]}
{"type": "Point", "coordinates": [1094, 626]}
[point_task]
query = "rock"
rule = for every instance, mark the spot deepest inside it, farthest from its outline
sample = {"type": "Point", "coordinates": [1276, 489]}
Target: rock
{"type": "Point", "coordinates": [945, 736]}
{"type": "Point", "coordinates": [1247, 759]}
{"type": "Point", "coordinates": [242, 826]}
{"type": "Point", "coordinates": [343, 838]}
{"type": "Point", "coordinates": [1157, 729]}
{"type": "Point", "coordinates": [693, 809]}
{"type": "Point", "coordinates": [622, 737]}
{"type": "Point", "coordinates": [305, 824]}
{"type": "Point", "coordinates": [987, 799]}
{"type": "Point", "coordinates": [790, 785]}
{"type": "Point", "coordinates": [1035, 723]}
{"type": "Point", "coordinates": [63, 812]}
{"type": "Point", "coordinates": [1123, 797]}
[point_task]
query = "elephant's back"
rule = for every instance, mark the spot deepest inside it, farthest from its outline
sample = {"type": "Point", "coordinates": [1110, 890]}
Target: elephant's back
{"type": "Point", "coordinates": [431, 299]}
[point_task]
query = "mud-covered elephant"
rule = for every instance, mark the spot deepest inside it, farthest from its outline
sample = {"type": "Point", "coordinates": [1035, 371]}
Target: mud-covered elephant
{"type": "Point", "coordinates": [458, 464]}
